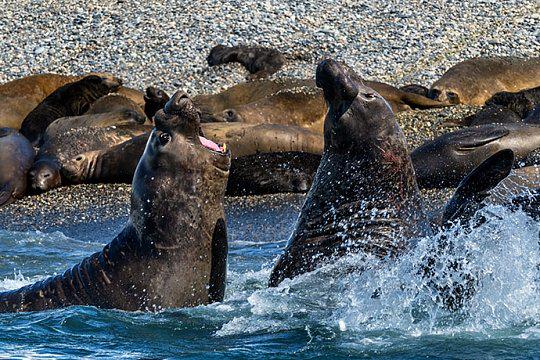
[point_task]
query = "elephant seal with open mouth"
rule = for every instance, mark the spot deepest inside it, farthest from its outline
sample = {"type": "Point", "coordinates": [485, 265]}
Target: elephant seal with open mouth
{"type": "Point", "coordinates": [173, 250]}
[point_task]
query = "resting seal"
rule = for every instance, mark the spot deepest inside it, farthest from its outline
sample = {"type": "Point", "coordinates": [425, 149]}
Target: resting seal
{"type": "Point", "coordinates": [16, 158]}
{"type": "Point", "coordinates": [292, 101]}
{"type": "Point", "coordinates": [475, 80]}
{"type": "Point", "coordinates": [172, 252]}
{"type": "Point", "coordinates": [69, 100]}
{"type": "Point", "coordinates": [115, 103]}
{"type": "Point", "coordinates": [45, 173]}
{"type": "Point", "coordinates": [259, 61]}
{"type": "Point", "coordinates": [267, 158]}
{"type": "Point", "coordinates": [444, 161]}
{"type": "Point", "coordinates": [364, 196]}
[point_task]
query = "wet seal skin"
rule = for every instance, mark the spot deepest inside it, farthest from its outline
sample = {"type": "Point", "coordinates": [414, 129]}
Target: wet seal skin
{"type": "Point", "coordinates": [172, 252]}
{"type": "Point", "coordinates": [16, 158]}
{"type": "Point", "coordinates": [259, 61]}
{"type": "Point", "coordinates": [475, 80]}
{"type": "Point", "coordinates": [446, 160]}
{"type": "Point", "coordinates": [69, 100]}
{"type": "Point", "coordinates": [364, 197]}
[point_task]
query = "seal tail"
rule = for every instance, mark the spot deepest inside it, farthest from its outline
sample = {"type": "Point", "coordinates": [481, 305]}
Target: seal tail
{"type": "Point", "coordinates": [475, 187]}
{"type": "Point", "coordinates": [416, 101]}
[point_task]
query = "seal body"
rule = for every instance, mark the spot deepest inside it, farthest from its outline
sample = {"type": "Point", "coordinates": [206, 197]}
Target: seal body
{"type": "Point", "coordinates": [267, 158]}
{"type": "Point", "coordinates": [444, 161]}
{"type": "Point", "coordinates": [16, 158]}
{"type": "Point", "coordinates": [172, 252]}
{"type": "Point", "coordinates": [259, 61]}
{"type": "Point", "coordinates": [364, 197]}
{"type": "Point", "coordinates": [475, 80]}
{"type": "Point", "coordinates": [154, 100]}
{"type": "Point", "coordinates": [69, 100]}
{"type": "Point", "coordinates": [115, 103]}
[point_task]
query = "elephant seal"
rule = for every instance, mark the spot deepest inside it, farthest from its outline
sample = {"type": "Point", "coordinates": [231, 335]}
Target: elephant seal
{"type": "Point", "coordinates": [475, 80]}
{"type": "Point", "coordinates": [259, 61]}
{"type": "Point", "coordinates": [292, 101]}
{"type": "Point", "coordinates": [173, 250]}
{"type": "Point", "coordinates": [115, 103]}
{"type": "Point", "coordinates": [125, 117]}
{"type": "Point", "coordinates": [154, 100]}
{"type": "Point", "coordinates": [69, 100]}
{"type": "Point", "coordinates": [20, 96]}
{"type": "Point", "coordinates": [364, 196]}
{"type": "Point", "coordinates": [505, 107]}
{"type": "Point", "coordinates": [266, 158]}
{"type": "Point", "coordinates": [16, 158]}
{"type": "Point", "coordinates": [444, 161]}
{"type": "Point", "coordinates": [45, 174]}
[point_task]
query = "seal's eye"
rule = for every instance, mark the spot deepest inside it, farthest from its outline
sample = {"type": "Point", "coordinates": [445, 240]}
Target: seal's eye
{"type": "Point", "coordinates": [370, 95]}
{"type": "Point", "coordinates": [452, 97]}
{"type": "Point", "coordinates": [164, 138]}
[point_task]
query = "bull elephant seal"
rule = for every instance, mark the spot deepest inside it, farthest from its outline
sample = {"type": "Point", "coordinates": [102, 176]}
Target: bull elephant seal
{"type": "Point", "coordinates": [475, 80]}
{"type": "Point", "coordinates": [259, 61]}
{"type": "Point", "coordinates": [69, 100]}
{"type": "Point", "coordinates": [364, 197]}
{"type": "Point", "coordinates": [46, 174]}
{"type": "Point", "coordinates": [444, 161]}
{"type": "Point", "coordinates": [172, 252]}
{"type": "Point", "coordinates": [16, 158]}
{"type": "Point", "coordinates": [154, 100]}
{"type": "Point", "coordinates": [266, 158]}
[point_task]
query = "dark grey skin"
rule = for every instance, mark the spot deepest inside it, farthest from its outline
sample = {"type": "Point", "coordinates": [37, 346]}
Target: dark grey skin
{"type": "Point", "coordinates": [533, 117]}
{"type": "Point", "coordinates": [172, 252]}
{"type": "Point", "coordinates": [16, 158]}
{"type": "Point", "coordinates": [446, 160]}
{"type": "Point", "coordinates": [364, 198]}
{"type": "Point", "coordinates": [259, 61]}
{"type": "Point", "coordinates": [69, 100]}
{"type": "Point", "coordinates": [45, 174]}
{"type": "Point", "coordinates": [154, 100]}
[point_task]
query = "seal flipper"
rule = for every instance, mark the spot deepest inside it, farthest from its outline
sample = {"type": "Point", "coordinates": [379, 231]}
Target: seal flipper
{"type": "Point", "coordinates": [475, 187]}
{"type": "Point", "coordinates": [469, 138]}
{"type": "Point", "coordinates": [416, 101]}
{"type": "Point", "coordinates": [218, 270]}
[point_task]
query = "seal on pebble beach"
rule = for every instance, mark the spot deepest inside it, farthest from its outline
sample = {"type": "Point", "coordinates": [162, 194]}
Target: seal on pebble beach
{"type": "Point", "coordinates": [266, 158]}
{"type": "Point", "coordinates": [364, 196]}
{"type": "Point", "coordinates": [115, 103]}
{"type": "Point", "coordinates": [16, 158]}
{"type": "Point", "coordinates": [261, 62]}
{"type": "Point", "coordinates": [173, 251]}
{"type": "Point", "coordinates": [69, 100]}
{"type": "Point", "coordinates": [475, 80]}
{"type": "Point", "coordinates": [444, 161]}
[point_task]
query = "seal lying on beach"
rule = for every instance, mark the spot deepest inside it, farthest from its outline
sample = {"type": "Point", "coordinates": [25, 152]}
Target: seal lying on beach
{"type": "Point", "coordinates": [364, 196]}
{"type": "Point", "coordinates": [20, 96]}
{"type": "Point", "coordinates": [259, 61]}
{"type": "Point", "coordinates": [69, 100]}
{"type": "Point", "coordinates": [475, 80]}
{"type": "Point", "coordinates": [267, 158]}
{"type": "Point", "coordinates": [114, 103]}
{"type": "Point", "coordinates": [292, 101]}
{"type": "Point", "coordinates": [444, 161]}
{"type": "Point", "coordinates": [16, 158]}
{"type": "Point", "coordinates": [505, 107]}
{"type": "Point", "coordinates": [154, 100]}
{"type": "Point", "coordinates": [173, 250]}
{"type": "Point", "coordinates": [45, 174]}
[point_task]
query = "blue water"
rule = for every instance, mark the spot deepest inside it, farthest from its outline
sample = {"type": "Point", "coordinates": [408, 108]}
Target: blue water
{"type": "Point", "coordinates": [330, 313]}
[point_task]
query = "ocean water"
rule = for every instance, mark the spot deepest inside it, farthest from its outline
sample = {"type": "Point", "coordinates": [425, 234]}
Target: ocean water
{"type": "Point", "coordinates": [330, 313]}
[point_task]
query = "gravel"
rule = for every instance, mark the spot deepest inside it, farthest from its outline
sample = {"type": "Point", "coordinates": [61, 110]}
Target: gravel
{"type": "Point", "coordinates": [165, 44]}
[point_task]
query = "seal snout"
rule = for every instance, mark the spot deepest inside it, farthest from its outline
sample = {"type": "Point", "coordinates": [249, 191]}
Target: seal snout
{"type": "Point", "coordinates": [177, 103]}
{"type": "Point", "coordinates": [332, 77]}
{"type": "Point", "coordinates": [44, 177]}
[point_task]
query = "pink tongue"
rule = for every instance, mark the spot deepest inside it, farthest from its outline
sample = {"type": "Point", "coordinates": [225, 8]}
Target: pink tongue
{"type": "Point", "coordinates": [209, 144]}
